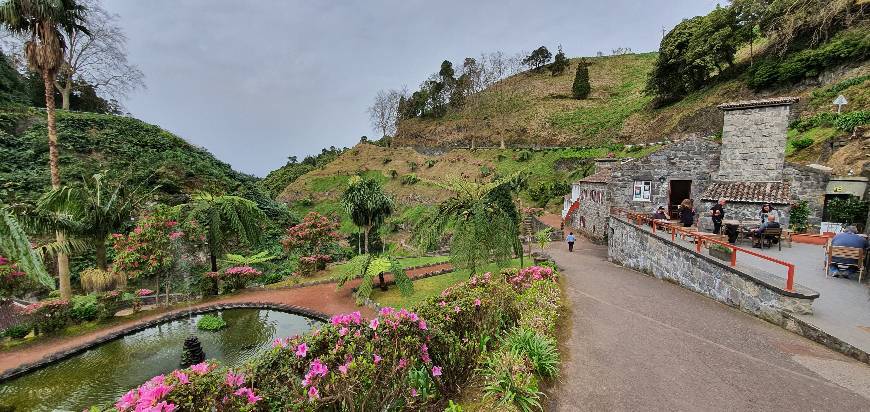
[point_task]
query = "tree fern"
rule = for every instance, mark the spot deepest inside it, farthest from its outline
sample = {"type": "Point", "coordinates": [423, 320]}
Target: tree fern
{"type": "Point", "coordinates": [367, 267]}
{"type": "Point", "coordinates": [15, 245]}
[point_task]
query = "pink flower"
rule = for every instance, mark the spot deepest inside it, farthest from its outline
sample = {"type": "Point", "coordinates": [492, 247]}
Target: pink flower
{"type": "Point", "coordinates": [175, 235]}
{"type": "Point", "coordinates": [318, 368]}
{"type": "Point", "coordinates": [249, 394]}
{"type": "Point", "coordinates": [456, 309]}
{"type": "Point", "coordinates": [343, 331]}
{"type": "Point", "coordinates": [436, 371]}
{"type": "Point", "coordinates": [374, 324]}
{"type": "Point", "coordinates": [386, 311]}
{"type": "Point", "coordinates": [442, 303]}
{"type": "Point", "coordinates": [414, 392]}
{"type": "Point", "coordinates": [234, 380]}
{"type": "Point", "coordinates": [422, 325]}
{"type": "Point", "coordinates": [477, 302]}
{"type": "Point", "coordinates": [377, 359]}
{"type": "Point", "coordinates": [278, 342]}
{"type": "Point", "coordinates": [200, 368]}
{"type": "Point", "coordinates": [181, 376]}
{"type": "Point", "coordinates": [403, 363]}
{"type": "Point", "coordinates": [301, 350]}
{"type": "Point", "coordinates": [313, 393]}
{"type": "Point", "coordinates": [343, 368]}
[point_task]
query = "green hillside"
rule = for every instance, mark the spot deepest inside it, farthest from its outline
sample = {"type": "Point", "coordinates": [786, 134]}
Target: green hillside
{"type": "Point", "coordinates": [123, 146]}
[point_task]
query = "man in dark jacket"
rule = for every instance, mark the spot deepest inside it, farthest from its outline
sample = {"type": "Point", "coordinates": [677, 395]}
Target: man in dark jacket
{"type": "Point", "coordinates": [717, 212]}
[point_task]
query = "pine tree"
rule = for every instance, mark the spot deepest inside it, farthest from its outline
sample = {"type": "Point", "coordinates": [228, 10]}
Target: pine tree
{"type": "Point", "coordinates": [581, 87]}
{"type": "Point", "coordinates": [560, 63]}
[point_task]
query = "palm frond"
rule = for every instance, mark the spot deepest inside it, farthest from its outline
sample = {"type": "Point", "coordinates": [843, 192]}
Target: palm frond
{"type": "Point", "coordinates": [14, 244]}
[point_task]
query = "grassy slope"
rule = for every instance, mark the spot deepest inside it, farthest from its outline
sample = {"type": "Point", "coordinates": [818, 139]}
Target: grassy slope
{"type": "Point", "coordinates": [92, 143]}
{"type": "Point", "coordinates": [535, 109]}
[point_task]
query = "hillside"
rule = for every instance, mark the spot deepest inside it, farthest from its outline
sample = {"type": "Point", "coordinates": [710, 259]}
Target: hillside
{"type": "Point", "coordinates": [536, 109]}
{"type": "Point", "coordinates": [123, 146]}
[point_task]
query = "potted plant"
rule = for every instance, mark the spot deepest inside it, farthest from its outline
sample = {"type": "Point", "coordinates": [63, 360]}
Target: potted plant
{"type": "Point", "coordinates": [721, 252]}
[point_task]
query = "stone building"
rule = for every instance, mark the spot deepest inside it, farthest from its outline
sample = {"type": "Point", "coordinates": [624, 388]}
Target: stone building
{"type": "Point", "coordinates": [747, 169]}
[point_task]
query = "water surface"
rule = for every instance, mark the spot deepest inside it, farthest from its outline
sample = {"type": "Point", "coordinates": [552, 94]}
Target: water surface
{"type": "Point", "coordinates": [100, 375]}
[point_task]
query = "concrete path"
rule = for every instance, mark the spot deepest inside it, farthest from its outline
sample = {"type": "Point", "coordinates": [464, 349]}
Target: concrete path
{"type": "Point", "coordinates": [638, 343]}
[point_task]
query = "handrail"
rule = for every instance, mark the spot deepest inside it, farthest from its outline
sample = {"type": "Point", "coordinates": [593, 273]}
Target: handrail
{"type": "Point", "coordinates": [700, 239]}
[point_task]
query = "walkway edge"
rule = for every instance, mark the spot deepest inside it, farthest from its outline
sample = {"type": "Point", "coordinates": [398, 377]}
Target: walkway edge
{"type": "Point", "coordinates": [64, 354]}
{"type": "Point", "coordinates": [798, 326]}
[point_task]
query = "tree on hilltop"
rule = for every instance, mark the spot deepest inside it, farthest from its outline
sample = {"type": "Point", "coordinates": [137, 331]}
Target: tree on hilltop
{"type": "Point", "coordinates": [560, 63]}
{"type": "Point", "coordinates": [538, 58]}
{"type": "Point", "coordinates": [581, 87]}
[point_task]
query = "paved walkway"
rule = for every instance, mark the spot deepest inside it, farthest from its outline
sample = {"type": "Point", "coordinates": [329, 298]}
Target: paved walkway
{"type": "Point", "coordinates": [322, 298]}
{"type": "Point", "coordinates": [638, 343]}
{"type": "Point", "coordinates": [843, 306]}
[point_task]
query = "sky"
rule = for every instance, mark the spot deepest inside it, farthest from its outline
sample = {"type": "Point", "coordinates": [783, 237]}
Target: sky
{"type": "Point", "coordinates": [257, 81]}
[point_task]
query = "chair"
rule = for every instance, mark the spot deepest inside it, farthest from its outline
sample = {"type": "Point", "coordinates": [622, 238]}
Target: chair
{"type": "Point", "coordinates": [855, 253]}
{"type": "Point", "coordinates": [769, 235]}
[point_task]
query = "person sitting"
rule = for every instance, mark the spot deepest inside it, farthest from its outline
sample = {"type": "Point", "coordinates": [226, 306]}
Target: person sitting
{"type": "Point", "coordinates": [848, 238]}
{"type": "Point", "coordinates": [758, 234]}
{"type": "Point", "coordinates": [766, 210]}
{"type": "Point", "coordinates": [660, 214]}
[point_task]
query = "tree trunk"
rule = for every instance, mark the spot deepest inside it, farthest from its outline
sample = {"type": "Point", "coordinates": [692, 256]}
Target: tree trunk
{"type": "Point", "coordinates": [101, 255]}
{"type": "Point", "coordinates": [213, 262]}
{"type": "Point", "coordinates": [65, 93]}
{"type": "Point", "coordinates": [501, 143]}
{"type": "Point", "coordinates": [366, 240]}
{"type": "Point", "coordinates": [157, 292]}
{"type": "Point", "coordinates": [54, 169]}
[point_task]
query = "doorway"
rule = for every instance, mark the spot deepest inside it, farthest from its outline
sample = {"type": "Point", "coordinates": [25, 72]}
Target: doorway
{"type": "Point", "coordinates": [678, 191]}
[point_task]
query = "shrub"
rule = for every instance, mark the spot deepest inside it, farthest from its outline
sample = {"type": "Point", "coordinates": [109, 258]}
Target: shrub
{"type": "Point", "coordinates": [86, 308]}
{"type": "Point", "coordinates": [485, 171]}
{"type": "Point", "coordinates": [12, 280]}
{"type": "Point", "coordinates": [96, 280]}
{"type": "Point", "coordinates": [412, 166]}
{"type": "Point", "coordinates": [410, 179]}
{"type": "Point", "coordinates": [510, 380]}
{"type": "Point", "coordinates": [538, 307]}
{"type": "Point", "coordinates": [431, 162]}
{"type": "Point", "coordinates": [238, 277]}
{"type": "Point", "coordinates": [802, 143]}
{"type": "Point", "coordinates": [211, 323]}
{"type": "Point", "coordinates": [310, 264]}
{"type": "Point", "coordinates": [393, 173]}
{"type": "Point", "coordinates": [798, 215]}
{"type": "Point", "coordinates": [541, 350]}
{"type": "Point", "coordinates": [524, 155]}
{"type": "Point", "coordinates": [849, 121]}
{"type": "Point", "coordinates": [18, 331]}
{"type": "Point", "coordinates": [387, 160]}
{"type": "Point", "coordinates": [522, 279]}
{"type": "Point", "coordinates": [49, 315]}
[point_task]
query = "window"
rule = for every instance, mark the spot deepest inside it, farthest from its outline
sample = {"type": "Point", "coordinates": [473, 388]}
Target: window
{"type": "Point", "coordinates": [642, 191]}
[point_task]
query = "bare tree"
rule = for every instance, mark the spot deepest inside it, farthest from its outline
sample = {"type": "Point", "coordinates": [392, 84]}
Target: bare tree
{"type": "Point", "coordinates": [384, 111]}
{"type": "Point", "coordinates": [99, 59]}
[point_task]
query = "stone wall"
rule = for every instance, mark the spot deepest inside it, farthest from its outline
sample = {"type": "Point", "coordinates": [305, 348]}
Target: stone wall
{"type": "Point", "coordinates": [590, 219]}
{"type": "Point", "coordinates": [753, 144]}
{"type": "Point", "coordinates": [808, 184]}
{"type": "Point", "coordinates": [695, 159]}
{"type": "Point", "coordinates": [752, 291]}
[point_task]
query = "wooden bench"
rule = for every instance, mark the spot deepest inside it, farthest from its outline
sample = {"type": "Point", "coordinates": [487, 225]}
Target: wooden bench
{"type": "Point", "coordinates": [846, 252]}
{"type": "Point", "coordinates": [769, 235]}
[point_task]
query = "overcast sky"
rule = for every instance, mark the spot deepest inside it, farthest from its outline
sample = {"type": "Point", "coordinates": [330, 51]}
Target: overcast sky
{"type": "Point", "coordinates": [257, 81]}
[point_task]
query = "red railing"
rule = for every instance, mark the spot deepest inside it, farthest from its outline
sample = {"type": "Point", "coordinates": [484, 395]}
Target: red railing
{"type": "Point", "coordinates": [573, 208]}
{"type": "Point", "coordinates": [700, 240]}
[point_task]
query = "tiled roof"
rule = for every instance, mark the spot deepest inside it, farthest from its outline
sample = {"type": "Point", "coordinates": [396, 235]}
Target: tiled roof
{"type": "Point", "coordinates": [775, 101]}
{"type": "Point", "coordinates": [755, 192]}
{"type": "Point", "coordinates": [600, 177]}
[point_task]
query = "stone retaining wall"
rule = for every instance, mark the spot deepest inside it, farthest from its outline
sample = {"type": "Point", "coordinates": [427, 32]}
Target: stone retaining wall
{"type": "Point", "coordinates": [752, 291]}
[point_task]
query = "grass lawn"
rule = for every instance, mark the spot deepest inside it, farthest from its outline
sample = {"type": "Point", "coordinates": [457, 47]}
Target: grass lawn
{"type": "Point", "coordinates": [335, 270]}
{"type": "Point", "coordinates": [431, 286]}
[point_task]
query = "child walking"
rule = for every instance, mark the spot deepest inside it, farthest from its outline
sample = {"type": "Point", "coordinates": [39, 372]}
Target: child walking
{"type": "Point", "coordinates": [570, 239]}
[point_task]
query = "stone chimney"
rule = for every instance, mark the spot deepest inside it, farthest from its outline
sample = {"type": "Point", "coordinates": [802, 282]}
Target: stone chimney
{"type": "Point", "coordinates": [754, 139]}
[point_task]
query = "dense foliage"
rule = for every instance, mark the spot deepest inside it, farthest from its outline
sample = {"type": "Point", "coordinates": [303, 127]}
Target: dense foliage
{"type": "Point", "coordinates": [280, 178]}
{"type": "Point", "coordinates": [581, 87]}
{"type": "Point", "coordinates": [313, 240]}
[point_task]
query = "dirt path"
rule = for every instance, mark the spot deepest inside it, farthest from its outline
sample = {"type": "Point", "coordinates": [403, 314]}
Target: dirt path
{"type": "Point", "coordinates": [324, 298]}
{"type": "Point", "coordinates": [638, 343]}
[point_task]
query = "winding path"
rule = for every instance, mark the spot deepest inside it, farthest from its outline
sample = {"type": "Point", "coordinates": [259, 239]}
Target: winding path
{"type": "Point", "coordinates": [638, 343]}
{"type": "Point", "coordinates": [322, 298]}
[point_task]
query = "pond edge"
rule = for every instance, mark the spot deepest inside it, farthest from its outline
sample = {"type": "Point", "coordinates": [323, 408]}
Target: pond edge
{"type": "Point", "coordinates": [25, 368]}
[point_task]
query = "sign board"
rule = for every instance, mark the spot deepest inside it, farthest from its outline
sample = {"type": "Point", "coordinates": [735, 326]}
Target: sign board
{"type": "Point", "coordinates": [840, 101]}
{"type": "Point", "coordinates": [831, 227]}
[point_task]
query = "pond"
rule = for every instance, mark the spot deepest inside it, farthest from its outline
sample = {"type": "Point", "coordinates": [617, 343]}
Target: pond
{"type": "Point", "coordinates": [102, 374]}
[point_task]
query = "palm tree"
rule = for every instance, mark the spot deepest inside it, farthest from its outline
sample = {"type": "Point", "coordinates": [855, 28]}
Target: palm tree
{"type": "Point", "coordinates": [367, 205]}
{"type": "Point", "coordinates": [484, 225]}
{"type": "Point", "coordinates": [15, 245]}
{"type": "Point", "coordinates": [42, 23]}
{"type": "Point", "coordinates": [224, 217]}
{"type": "Point", "coordinates": [94, 211]}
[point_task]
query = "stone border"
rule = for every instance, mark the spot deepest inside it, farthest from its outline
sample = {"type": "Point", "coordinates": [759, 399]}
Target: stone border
{"type": "Point", "coordinates": [168, 317]}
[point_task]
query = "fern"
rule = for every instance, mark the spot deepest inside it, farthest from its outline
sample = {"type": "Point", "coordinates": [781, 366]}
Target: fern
{"type": "Point", "coordinates": [15, 245]}
{"type": "Point", "coordinates": [367, 267]}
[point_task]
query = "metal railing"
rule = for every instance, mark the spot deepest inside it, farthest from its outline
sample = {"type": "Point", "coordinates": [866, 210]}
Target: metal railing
{"type": "Point", "coordinates": [701, 240]}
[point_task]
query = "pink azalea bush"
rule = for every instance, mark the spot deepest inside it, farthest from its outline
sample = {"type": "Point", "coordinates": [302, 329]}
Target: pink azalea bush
{"type": "Point", "coordinates": [49, 315]}
{"type": "Point", "coordinates": [12, 280]}
{"type": "Point", "coordinates": [522, 279]}
{"type": "Point", "coordinates": [237, 277]}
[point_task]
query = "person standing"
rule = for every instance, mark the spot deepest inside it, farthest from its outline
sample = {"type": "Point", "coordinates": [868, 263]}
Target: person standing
{"type": "Point", "coordinates": [717, 212]}
{"type": "Point", "coordinates": [570, 239]}
{"type": "Point", "coordinates": [687, 212]}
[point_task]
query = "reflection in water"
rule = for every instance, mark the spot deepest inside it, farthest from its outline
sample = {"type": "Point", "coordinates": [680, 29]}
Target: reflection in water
{"type": "Point", "coordinates": [102, 374]}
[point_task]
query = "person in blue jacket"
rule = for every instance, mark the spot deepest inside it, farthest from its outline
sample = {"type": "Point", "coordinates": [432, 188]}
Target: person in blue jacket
{"type": "Point", "coordinates": [570, 239]}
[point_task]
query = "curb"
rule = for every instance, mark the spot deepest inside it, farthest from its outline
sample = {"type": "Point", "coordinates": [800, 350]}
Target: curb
{"type": "Point", "coordinates": [61, 355]}
{"type": "Point", "coordinates": [798, 326]}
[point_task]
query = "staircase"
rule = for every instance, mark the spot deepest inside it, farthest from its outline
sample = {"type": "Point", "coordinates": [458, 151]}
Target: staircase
{"type": "Point", "coordinates": [570, 215]}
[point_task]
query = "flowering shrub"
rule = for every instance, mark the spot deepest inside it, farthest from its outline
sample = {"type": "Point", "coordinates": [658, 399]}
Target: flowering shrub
{"type": "Point", "coordinates": [49, 315]}
{"type": "Point", "coordinates": [522, 279]}
{"type": "Point", "coordinates": [148, 249]}
{"type": "Point", "coordinates": [201, 387]}
{"type": "Point", "coordinates": [12, 280]}
{"type": "Point", "coordinates": [236, 277]}
{"type": "Point", "coordinates": [312, 238]}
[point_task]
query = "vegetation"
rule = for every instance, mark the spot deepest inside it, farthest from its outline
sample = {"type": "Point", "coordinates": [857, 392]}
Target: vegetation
{"type": "Point", "coordinates": [849, 210]}
{"type": "Point", "coordinates": [367, 205]}
{"type": "Point", "coordinates": [211, 323]}
{"type": "Point", "coordinates": [367, 267]}
{"type": "Point", "coordinates": [538, 58]}
{"type": "Point", "coordinates": [16, 255]}
{"type": "Point", "coordinates": [797, 216]}
{"type": "Point", "coordinates": [581, 88]}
